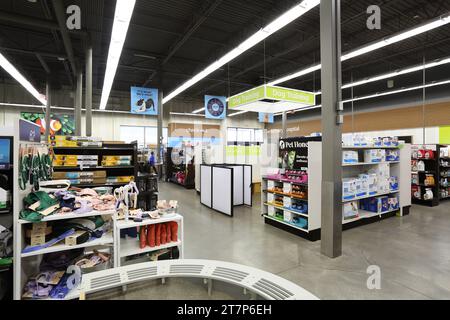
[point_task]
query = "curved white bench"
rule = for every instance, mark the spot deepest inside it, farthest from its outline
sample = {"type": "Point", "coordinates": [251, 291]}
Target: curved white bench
{"type": "Point", "coordinates": [261, 283]}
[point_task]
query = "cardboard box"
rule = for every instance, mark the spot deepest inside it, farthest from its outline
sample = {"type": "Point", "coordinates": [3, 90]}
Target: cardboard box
{"type": "Point", "coordinates": [77, 238]}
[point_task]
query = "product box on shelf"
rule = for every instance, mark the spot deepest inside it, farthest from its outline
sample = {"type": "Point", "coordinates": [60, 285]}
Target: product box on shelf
{"type": "Point", "coordinates": [372, 155]}
{"type": "Point", "coordinates": [60, 175]}
{"type": "Point", "coordinates": [88, 181]}
{"type": "Point", "coordinates": [392, 155]}
{"type": "Point", "coordinates": [361, 187]}
{"type": "Point", "coordinates": [393, 183]}
{"type": "Point", "coordinates": [393, 202]}
{"type": "Point", "coordinates": [350, 210]}
{"type": "Point", "coordinates": [348, 188]}
{"type": "Point", "coordinates": [288, 216]}
{"type": "Point", "coordinates": [300, 222]}
{"type": "Point", "coordinates": [376, 204]}
{"type": "Point", "coordinates": [271, 211]}
{"type": "Point", "coordinates": [349, 156]}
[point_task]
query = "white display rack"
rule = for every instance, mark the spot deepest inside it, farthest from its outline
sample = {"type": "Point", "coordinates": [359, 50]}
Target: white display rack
{"type": "Point", "coordinates": [65, 216]}
{"type": "Point", "coordinates": [313, 200]}
{"type": "Point", "coordinates": [401, 169]}
{"type": "Point", "coordinates": [368, 163]}
{"type": "Point", "coordinates": [130, 246]}
{"type": "Point", "coordinates": [106, 239]}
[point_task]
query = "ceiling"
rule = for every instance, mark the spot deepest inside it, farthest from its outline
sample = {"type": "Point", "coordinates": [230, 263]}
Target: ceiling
{"type": "Point", "coordinates": [170, 41]}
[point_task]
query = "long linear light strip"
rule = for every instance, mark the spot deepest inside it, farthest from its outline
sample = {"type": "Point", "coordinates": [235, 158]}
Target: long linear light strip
{"type": "Point", "coordinates": [122, 17]}
{"type": "Point", "coordinates": [21, 79]}
{"type": "Point", "coordinates": [436, 63]}
{"type": "Point", "coordinates": [381, 94]}
{"type": "Point", "coordinates": [237, 113]}
{"type": "Point", "coordinates": [187, 114]}
{"type": "Point", "coordinates": [253, 40]}
{"type": "Point", "coordinates": [34, 106]}
{"type": "Point", "coordinates": [435, 23]}
{"type": "Point", "coordinates": [199, 110]}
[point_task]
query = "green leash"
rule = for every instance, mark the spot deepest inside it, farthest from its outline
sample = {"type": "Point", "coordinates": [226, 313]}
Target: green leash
{"type": "Point", "coordinates": [24, 171]}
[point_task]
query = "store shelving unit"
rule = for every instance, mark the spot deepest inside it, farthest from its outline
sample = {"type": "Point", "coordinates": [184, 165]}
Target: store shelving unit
{"type": "Point", "coordinates": [107, 149]}
{"type": "Point", "coordinates": [278, 214]}
{"type": "Point", "coordinates": [444, 172]}
{"type": "Point", "coordinates": [130, 246]}
{"type": "Point", "coordinates": [431, 168]}
{"type": "Point", "coordinates": [180, 165]}
{"type": "Point", "coordinates": [281, 215]}
{"type": "Point", "coordinates": [399, 169]}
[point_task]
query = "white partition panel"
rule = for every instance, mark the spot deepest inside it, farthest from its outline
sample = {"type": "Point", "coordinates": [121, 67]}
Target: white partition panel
{"type": "Point", "coordinates": [205, 185]}
{"type": "Point", "coordinates": [248, 185]}
{"type": "Point", "coordinates": [222, 190]}
{"type": "Point", "coordinates": [238, 185]}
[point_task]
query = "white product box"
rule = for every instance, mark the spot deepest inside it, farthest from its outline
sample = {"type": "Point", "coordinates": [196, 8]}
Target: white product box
{"type": "Point", "coordinates": [348, 188]}
{"type": "Point", "coordinates": [271, 211]}
{"type": "Point", "coordinates": [372, 155]}
{"type": "Point", "coordinates": [287, 202]}
{"type": "Point", "coordinates": [382, 155]}
{"type": "Point", "coordinates": [361, 187]}
{"type": "Point", "coordinates": [381, 170]}
{"type": "Point", "coordinates": [383, 185]}
{"type": "Point", "coordinates": [5, 198]}
{"type": "Point", "coordinates": [270, 198]}
{"type": "Point", "coordinates": [287, 187]}
{"type": "Point", "coordinates": [350, 210]}
{"type": "Point", "coordinates": [287, 216]}
{"type": "Point", "coordinates": [372, 183]}
{"type": "Point", "coordinates": [349, 156]}
{"type": "Point", "coordinates": [270, 184]}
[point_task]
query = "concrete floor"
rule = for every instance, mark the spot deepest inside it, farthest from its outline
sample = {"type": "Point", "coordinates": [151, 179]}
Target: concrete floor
{"type": "Point", "coordinates": [413, 253]}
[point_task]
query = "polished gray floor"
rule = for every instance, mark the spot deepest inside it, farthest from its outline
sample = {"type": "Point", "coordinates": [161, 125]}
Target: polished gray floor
{"type": "Point", "coordinates": [412, 252]}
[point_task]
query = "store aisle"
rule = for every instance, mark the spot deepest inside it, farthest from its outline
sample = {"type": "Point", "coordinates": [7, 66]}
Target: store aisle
{"type": "Point", "coordinates": [412, 252]}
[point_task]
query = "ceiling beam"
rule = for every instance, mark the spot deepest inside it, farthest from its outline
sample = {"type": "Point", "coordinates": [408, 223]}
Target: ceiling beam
{"type": "Point", "coordinates": [58, 6]}
{"type": "Point", "coordinates": [29, 21]}
{"type": "Point", "coordinates": [191, 29]}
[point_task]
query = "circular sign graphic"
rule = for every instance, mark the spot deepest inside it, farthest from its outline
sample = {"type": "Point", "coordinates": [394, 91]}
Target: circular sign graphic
{"type": "Point", "coordinates": [215, 107]}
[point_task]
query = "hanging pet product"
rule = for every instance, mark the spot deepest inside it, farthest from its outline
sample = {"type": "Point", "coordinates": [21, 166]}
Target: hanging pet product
{"type": "Point", "coordinates": [126, 199]}
{"type": "Point", "coordinates": [34, 166]}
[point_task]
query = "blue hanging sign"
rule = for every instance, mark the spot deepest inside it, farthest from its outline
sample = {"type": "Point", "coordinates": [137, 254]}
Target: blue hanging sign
{"type": "Point", "coordinates": [265, 117]}
{"type": "Point", "coordinates": [215, 107]}
{"type": "Point", "coordinates": [144, 101]}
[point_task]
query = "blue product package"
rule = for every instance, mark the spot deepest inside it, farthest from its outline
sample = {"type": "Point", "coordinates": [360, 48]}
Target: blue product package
{"type": "Point", "coordinates": [393, 183]}
{"type": "Point", "coordinates": [384, 204]}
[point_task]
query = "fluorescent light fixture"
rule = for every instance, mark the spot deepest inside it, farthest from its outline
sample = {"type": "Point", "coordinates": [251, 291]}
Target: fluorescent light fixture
{"type": "Point", "coordinates": [34, 106]}
{"type": "Point", "coordinates": [435, 23]}
{"type": "Point", "coordinates": [21, 79]}
{"type": "Point", "coordinates": [237, 113]}
{"type": "Point", "coordinates": [435, 63]}
{"type": "Point", "coordinates": [199, 110]}
{"type": "Point", "coordinates": [253, 40]}
{"type": "Point", "coordinates": [301, 109]}
{"type": "Point", "coordinates": [122, 18]}
{"type": "Point", "coordinates": [381, 94]}
{"type": "Point", "coordinates": [187, 114]}
{"type": "Point", "coordinates": [387, 93]}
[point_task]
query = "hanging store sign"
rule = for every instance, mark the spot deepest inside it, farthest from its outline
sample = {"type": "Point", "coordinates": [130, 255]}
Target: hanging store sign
{"type": "Point", "coordinates": [271, 99]}
{"type": "Point", "coordinates": [144, 101]}
{"type": "Point", "coordinates": [60, 124]}
{"type": "Point", "coordinates": [215, 107]}
{"type": "Point", "coordinates": [265, 117]}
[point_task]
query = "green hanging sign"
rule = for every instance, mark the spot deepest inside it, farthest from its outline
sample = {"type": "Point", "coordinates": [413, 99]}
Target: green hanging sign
{"type": "Point", "coordinates": [259, 98]}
